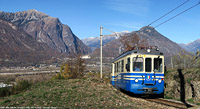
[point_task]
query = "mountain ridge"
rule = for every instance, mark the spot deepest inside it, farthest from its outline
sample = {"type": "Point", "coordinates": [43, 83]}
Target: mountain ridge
{"type": "Point", "coordinates": [192, 46]}
{"type": "Point", "coordinates": [94, 42]}
{"type": "Point", "coordinates": [48, 30]}
{"type": "Point", "coordinates": [152, 36]}
{"type": "Point", "coordinates": [17, 48]}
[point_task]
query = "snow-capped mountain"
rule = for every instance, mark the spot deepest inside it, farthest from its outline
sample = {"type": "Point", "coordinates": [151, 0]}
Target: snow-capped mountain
{"type": "Point", "coordinates": [94, 42]}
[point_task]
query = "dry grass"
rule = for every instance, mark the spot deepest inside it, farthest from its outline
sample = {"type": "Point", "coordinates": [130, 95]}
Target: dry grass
{"type": "Point", "coordinates": [33, 78]}
{"type": "Point", "coordinates": [79, 93]}
{"type": "Point", "coordinates": [20, 83]}
{"type": "Point", "coordinates": [7, 78]}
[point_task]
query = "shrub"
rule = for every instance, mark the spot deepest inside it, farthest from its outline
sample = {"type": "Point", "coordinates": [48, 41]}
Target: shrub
{"type": "Point", "coordinates": [72, 69]}
{"type": "Point", "coordinates": [65, 72]}
{"type": "Point", "coordinates": [5, 91]}
{"type": "Point", "coordinates": [58, 76]}
{"type": "Point", "coordinates": [191, 100]}
{"type": "Point", "coordinates": [21, 86]}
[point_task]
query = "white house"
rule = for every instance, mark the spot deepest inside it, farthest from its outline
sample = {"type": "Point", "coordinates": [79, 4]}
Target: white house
{"type": "Point", "coordinates": [86, 57]}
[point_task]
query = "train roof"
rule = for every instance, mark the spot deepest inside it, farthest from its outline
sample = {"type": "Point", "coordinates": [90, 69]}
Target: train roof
{"type": "Point", "coordinates": [139, 51]}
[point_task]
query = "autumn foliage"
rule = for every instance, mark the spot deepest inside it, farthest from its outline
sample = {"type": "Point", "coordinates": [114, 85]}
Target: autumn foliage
{"type": "Point", "coordinates": [73, 68]}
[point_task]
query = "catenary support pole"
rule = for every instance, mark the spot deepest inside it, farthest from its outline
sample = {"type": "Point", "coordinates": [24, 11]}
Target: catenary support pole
{"type": "Point", "coordinates": [101, 51]}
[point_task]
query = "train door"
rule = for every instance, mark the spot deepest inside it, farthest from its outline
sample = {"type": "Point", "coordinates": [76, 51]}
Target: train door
{"type": "Point", "coordinates": [128, 64]}
{"type": "Point", "coordinates": [149, 80]}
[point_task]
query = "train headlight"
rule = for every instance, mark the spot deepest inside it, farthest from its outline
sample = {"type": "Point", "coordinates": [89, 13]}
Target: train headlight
{"type": "Point", "coordinates": [148, 50]}
{"type": "Point", "coordinates": [136, 80]}
{"type": "Point", "coordinates": [159, 81]}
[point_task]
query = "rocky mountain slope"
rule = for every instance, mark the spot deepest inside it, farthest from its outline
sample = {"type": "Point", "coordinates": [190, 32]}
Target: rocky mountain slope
{"type": "Point", "coordinates": [153, 38]}
{"type": "Point", "coordinates": [192, 47]}
{"type": "Point", "coordinates": [48, 30]}
{"type": "Point", "coordinates": [94, 42]}
{"type": "Point", "coordinates": [18, 48]}
{"type": "Point", "coordinates": [191, 83]}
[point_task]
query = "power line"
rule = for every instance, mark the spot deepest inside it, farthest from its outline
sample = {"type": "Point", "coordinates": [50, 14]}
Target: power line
{"type": "Point", "coordinates": [178, 14]}
{"type": "Point", "coordinates": [169, 12]}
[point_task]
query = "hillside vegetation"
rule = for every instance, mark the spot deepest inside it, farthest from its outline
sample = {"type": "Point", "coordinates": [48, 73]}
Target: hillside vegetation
{"type": "Point", "coordinates": [87, 92]}
{"type": "Point", "coordinates": [69, 93]}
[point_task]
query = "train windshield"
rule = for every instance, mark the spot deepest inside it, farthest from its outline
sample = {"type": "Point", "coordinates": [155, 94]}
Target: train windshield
{"type": "Point", "coordinates": [158, 66]}
{"type": "Point", "coordinates": [137, 64]}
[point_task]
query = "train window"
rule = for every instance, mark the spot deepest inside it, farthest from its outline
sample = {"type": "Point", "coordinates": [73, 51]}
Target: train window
{"type": "Point", "coordinates": [115, 67]}
{"type": "Point", "coordinates": [119, 68]}
{"type": "Point", "coordinates": [122, 67]}
{"type": "Point", "coordinates": [137, 64]}
{"type": "Point", "coordinates": [158, 67]}
{"type": "Point", "coordinates": [148, 64]}
{"type": "Point", "coordinates": [128, 65]}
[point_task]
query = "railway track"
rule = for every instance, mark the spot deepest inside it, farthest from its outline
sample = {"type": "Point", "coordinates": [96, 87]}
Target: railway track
{"type": "Point", "coordinates": [170, 103]}
{"type": "Point", "coordinates": [167, 103]}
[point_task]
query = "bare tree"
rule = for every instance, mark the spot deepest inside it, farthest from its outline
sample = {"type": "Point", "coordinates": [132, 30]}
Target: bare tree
{"type": "Point", "coordinates": [186, 60]}
{"type": "Point", "coordinates": [133, 41]}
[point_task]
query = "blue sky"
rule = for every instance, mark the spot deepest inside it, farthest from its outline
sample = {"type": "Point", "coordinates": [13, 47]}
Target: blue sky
{"type": "Point", "coordinates": [86, 16]}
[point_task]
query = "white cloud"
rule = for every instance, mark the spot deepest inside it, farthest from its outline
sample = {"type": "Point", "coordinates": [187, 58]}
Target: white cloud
{"type": "Point", "coordinates": [136, 7]}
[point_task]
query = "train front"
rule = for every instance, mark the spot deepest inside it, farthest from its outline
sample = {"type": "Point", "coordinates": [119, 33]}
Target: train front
{"type": "Point", "coordinates": [143, 72]}
{"type": "Point", "coordinates": [147, 75]}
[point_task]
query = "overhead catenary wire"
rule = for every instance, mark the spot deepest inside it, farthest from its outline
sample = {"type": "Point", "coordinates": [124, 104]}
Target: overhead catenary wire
{"type": "Point", "coordinates": [111, 31]}
{"type": "Point", "coordinates": [169, 12]}
{"type": "Point", "coordinates": [178, 14]}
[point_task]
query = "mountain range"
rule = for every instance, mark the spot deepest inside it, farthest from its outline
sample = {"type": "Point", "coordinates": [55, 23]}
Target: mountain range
{"type": "Point", "coordinates": [153, 38]}
{"type": "Point", "coordinates": [94, 42]}
{"type": "Point", "coordinates": [192, 46]}
{"type": "Point", "coordinates": [47, 29]}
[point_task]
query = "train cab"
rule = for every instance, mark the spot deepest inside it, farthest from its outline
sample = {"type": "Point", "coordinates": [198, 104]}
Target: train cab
{"type": "Point", "coordinates": [139, 71]}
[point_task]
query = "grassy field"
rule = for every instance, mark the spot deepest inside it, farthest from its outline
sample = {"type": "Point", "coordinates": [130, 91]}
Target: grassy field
{"type": "Point", "coordinates": [84, 93]}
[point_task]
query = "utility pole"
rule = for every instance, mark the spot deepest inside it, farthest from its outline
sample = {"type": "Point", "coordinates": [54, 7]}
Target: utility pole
{"type": "Point", "coordinates": [101, 45]}
{"type": "Point", "coordinates": [101, 50]}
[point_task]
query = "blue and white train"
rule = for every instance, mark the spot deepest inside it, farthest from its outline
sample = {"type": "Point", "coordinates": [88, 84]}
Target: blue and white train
{"type": "Point", "coordinates": [139, 71]}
